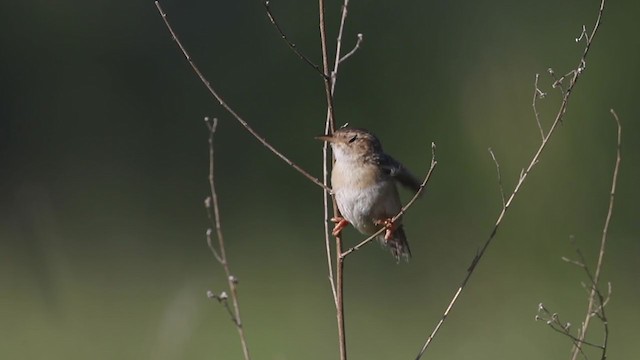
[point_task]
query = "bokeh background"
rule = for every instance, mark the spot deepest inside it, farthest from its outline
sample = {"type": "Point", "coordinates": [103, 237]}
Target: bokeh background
{"type": "Point", "coordinates": [104, 163]}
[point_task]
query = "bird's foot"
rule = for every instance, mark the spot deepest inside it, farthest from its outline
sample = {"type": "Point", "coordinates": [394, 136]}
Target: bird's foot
{"type": "Point", "coordinates": [390, 225]}
{"type": "Point", "coordinates": [341, 223]}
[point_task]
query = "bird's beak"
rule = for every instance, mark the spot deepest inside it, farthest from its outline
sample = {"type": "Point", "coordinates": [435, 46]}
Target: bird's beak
{"type": "Point", "coordinates": [327, 138]}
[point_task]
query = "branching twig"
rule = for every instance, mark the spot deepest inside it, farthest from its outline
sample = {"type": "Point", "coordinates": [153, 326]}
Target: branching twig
{"type": "Point", "coordinates": [574, 262]}
{"type": "Point", "coordinates": [583, 34]}
{"type": "Point", "coordinates": [537, 94]}
{"type": "Point", "coordinates": [232, 112]}
{"type": "Point", "coordinates": [597, 301]}
{"type": "Point", "coordinates": [213, 211]}
{"type": "Point", "coordinates": [213, 249]}
{"type": "Point", "coordinates": [328, 79]}
{"type": "Point", "coordinates": [353, 51]}
{"type": "Point", "coordinates": [222, 299]}
{"type": "Point", "coordinates": [292, 46]}
{"type": "Point", "coordinates": [553, 321]}
{"type": "Point", "coordinates": [330, 126]}
{"type": "Point", "coordinates": [337, 287]}
{"type": "Point", "coordinates": [493, 156]}
{"type": "Point", "coordinates": [557, 82]}
{"type": "Point", "coordinates": [404, 208]}
{"type": "Point", "coordinates": [566, 94]}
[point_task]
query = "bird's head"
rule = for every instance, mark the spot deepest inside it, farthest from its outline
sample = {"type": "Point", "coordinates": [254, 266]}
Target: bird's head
{"type": "Point", "coordinates": [352, 144]}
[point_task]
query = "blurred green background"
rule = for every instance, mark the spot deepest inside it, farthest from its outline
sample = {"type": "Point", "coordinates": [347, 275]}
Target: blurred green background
{"type": "Point", "coordinates": [104, 161]}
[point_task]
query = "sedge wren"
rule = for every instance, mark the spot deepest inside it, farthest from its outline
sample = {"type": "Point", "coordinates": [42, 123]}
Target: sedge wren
{"type": "Point", "coordinates": [363, 181]}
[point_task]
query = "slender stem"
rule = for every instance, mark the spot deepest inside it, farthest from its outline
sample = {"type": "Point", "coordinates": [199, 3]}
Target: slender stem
{"type": "Point", "coordinates": [221, 254]}
{"type": "Point", "coordinates": [327, 233]}
{"type": "Point", "coordinates": [329, 128]}
{"type": "Point", "coordinates": [328, 80]}
{"type": "Point", "coordinates": [594, 294]}
{"type": "Point", "coordinates": [553, 321]}
{"type": "Point", "coordinates": [340, 299]}
{"type": "Point", "coordinates": [291, 45]}
{"type": "Point", "coordinates": [228, 108]}
{"type": "Point", "coordinates": [566, 94]}
{"type": "Point", "coordinates": [354, 50]}
{"type": "Point", "coordinates": [336, 63]}
{"type": "Point", "coordinates": [493, 156]}
{"type": "Point", "coordinates": [537, 94]}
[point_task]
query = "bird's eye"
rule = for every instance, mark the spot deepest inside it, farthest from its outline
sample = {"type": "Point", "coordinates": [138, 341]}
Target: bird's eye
{"type": "Point", "coordinates": [353, 139]}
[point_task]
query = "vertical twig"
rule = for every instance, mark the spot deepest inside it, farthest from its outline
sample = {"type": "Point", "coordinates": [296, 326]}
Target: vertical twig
{"type": "Point", "coordinates": [566, 94]}
{"type": "Point", "coordinates": [329, 128]}
{"type": "Point", "coordinates": [594, 292]}
{"type": "Point", "coordinates": [221, 254]}
{"type": "Point", "coordinates": [342, 336]}
{"type": "Point", "coordinates": [328, 80]}
{"type": "Point", "coordinates": [537, 94]}
{"type": "Point", "coordinates": [493, 156]}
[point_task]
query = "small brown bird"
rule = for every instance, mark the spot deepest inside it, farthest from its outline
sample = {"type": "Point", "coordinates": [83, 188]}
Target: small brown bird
{"type": "Point", "coordinates": [363, 183]}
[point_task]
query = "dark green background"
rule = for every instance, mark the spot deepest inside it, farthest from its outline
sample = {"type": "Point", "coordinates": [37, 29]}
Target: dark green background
{"type": "Point", "coordinates": [104, 162]}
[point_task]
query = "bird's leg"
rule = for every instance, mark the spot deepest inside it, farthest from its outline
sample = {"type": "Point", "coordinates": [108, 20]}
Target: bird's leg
{"type": "Point", "coordinates": [389, 225]}
{"type": "Point", "coordinates": [341, 223]}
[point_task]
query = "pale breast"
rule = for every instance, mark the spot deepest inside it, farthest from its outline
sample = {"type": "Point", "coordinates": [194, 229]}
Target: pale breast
{"type": "Point", "coordinates": [363, 195]}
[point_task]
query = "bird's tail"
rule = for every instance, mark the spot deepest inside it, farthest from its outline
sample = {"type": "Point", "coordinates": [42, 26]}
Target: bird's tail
{"type": "Point", "coordinates": [397, 244]}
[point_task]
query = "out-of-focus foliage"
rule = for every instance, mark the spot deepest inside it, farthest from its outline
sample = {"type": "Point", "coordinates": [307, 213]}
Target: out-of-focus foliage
{"type": "Point", "coordinates": [104, 160]}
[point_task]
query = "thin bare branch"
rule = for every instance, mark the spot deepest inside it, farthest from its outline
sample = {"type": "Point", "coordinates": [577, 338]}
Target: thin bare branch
{"type": "Point", "coordinates": [329, 128]}
{"type": "Point", "coordinates": [328, 80]}
{"type": "Point", "coordinates": [596, 300]}
{"type": "Point", "coordinates": [232, 112]}
{"type": "Point", "coordinates": [327, 242]}
{"type": "Point", "coordinates": [583, 34]}
{"type": "Point", "coordinates": [329, 85]}
{"type": "Point", "coordinates": [353, 51]}
{"type": "Point", "coordinates": [583, 260]}
{"type": "Point", "coordinates": [557, 83]}
{"type": "Point", "coordinates": [535, 159]}
{"type": "Point", "coordinates": [330, 125]}
{"type": "Point", "coordinates": [493, 156]}
{"type": "Point", "coordinates": [221, 255]}
{"type": "Point", "coordinates": [604, 302]}
{"type": "Point", "coordinates": [209, 239]}
{"type": "Point", "coordinates": [327, 237]}
{"type": "Point", "coordinates": [574, 262]}
{"type": "Point", "coordinates": [291, 45]}
{"type": "Point", "coordinates": [342, 335]}
{"type": "Point", "coordinates": [537, 94]}
{"type": "Point", "coordinates": [404, 208]}
{"type": "Point", "coordinates": [605, 324]}
{"type": "Point", "coordinates": [222, 299]}
{"type": "Point", "coordinates": [553, 321]}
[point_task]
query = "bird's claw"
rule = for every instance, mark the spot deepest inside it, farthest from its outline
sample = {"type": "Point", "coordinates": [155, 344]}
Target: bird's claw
{"type": "Point", "coordinates": [341, 223]}
{"type": "Point", "coordinates": [390, 225]}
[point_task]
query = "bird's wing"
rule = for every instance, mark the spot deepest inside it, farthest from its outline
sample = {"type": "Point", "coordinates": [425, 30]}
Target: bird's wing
{"type": "Point", "coordinates": [397, 171]}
